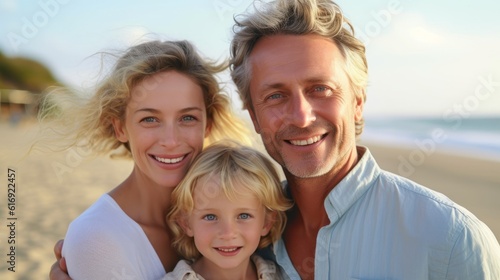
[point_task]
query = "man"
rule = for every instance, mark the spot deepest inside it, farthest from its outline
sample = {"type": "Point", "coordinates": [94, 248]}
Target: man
{"type": "Point", "coordinates": [302, 75]}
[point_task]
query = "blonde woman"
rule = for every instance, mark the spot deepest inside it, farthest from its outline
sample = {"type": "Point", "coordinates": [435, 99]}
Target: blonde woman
{"type": "Point", "coordinates": [160, 103]}
{"type": "Point", "coordinates": [229, 204]}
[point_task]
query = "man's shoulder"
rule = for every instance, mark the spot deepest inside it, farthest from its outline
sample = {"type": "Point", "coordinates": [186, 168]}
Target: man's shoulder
{"type": "Point", "coordinates": [397, 183]}
{"type": "Point", "coordinates": [419, 200]}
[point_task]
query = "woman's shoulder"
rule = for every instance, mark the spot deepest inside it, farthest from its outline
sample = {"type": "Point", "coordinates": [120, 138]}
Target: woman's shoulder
{"type": "Point", "coordinates": [103, 220]}
{"type": "Point", "coordinates": [103, 210]}
{"type": "Point", "coordinates": [101, 238]}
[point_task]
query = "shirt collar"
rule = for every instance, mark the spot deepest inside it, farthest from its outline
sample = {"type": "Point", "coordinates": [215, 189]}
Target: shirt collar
{"type": "Point", "coordinates": [353, 186]}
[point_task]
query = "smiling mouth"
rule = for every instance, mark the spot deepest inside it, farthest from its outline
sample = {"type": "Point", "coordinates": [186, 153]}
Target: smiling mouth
{"type": "Point", "coordinates": [169, 160]}
{"type": "Point", "coordinates": [306, 142]}
{"type": "Point", "coordinates": [228, 250]}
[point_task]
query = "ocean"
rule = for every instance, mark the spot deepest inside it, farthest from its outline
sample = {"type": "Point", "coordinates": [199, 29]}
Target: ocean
{"type": "Point", "coordinates": [472, 136]}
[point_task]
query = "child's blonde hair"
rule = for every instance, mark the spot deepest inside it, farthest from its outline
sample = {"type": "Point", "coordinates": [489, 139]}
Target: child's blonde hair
{"type": "Point", "coordinates": [236, 166]}
{"type": "Point", "coordinates": [86, 121]}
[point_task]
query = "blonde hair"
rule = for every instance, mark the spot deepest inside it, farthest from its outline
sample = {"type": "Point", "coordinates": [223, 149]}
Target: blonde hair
{"type": "Point", "coordinates": [236, 166]}
{"type": "Point", "coordinates": [297, 17]}
{"type": "Point", "coordinates": [87, 121]}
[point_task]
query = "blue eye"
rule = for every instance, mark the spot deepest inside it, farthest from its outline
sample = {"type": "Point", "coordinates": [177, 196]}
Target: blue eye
{"type": "Point", "coordinates": [148, 119]}
{"type": "Point", "coordinates": [210, 217]}
{"type": "Point", "coordinates": [244, 216]}
{"type": "Point", "coordinates": [188, 118]}
{"type": "Point", "coordinates": [322, 90]}
{"type": "Point", "coordinates": [275, 96]}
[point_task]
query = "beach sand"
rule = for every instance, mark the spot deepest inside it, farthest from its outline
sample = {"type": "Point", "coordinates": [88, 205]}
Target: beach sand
{"type": "Point", "coordinates": [53, 189]}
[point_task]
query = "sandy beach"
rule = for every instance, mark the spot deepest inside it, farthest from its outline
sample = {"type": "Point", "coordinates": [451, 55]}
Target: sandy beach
{"type": "Point", "coordinates": [52, 189]}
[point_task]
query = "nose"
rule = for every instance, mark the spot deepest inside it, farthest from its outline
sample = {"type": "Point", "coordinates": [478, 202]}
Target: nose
{"type": "Point", "coordinates": [227, 230]}
{"type": "Point", "coordinates": [169, 135]}
{"type": "Point", "coordinates": [300, 111]}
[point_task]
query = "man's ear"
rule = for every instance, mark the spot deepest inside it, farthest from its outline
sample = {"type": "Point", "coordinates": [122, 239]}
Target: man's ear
{"type": "Point", "coordinates": [359, 105]}
{"type": "Point", "coordinates": [254, 120]}
{"type": "Point", "coordinates": [120, 132]}
{"type": "Point", "coordinates": [269, 222]}
{"type": "Point", "coordinates": [184, 224]}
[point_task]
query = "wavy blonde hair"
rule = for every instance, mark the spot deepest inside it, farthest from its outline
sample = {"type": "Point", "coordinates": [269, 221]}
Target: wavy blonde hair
{"type": "Point", "coordinates": [86, 121]}
{"type": "Point", "coordinates": [237, 167]}
{"type": "Point", "coordinates": [297, 17]}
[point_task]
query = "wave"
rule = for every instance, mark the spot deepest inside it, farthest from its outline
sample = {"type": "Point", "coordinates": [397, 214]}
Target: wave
{"type": "Point", "coordinates": [478, 137]}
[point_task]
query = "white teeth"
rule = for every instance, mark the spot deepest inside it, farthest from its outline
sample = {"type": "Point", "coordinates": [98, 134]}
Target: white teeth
{"type": "Point", "coordinates": [305, 142]}
{"type": "Point", "coordinates": [227, 250]}
{"type": "Point", "coordinates": [169, 160]}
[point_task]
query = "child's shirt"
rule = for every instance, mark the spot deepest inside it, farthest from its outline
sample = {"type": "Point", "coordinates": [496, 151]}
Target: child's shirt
{"type": "Point", "coordinates": [266, 270]}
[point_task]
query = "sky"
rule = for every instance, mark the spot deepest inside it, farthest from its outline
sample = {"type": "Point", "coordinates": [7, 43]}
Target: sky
{"type": "Point", "coordinates": [424, 57]}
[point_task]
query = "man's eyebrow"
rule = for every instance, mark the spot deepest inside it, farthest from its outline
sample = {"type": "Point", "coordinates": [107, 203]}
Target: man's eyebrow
{"type": "Point", "coordinates": [332, 83]}
{"type": "Point", "coordinates": [272, 86]}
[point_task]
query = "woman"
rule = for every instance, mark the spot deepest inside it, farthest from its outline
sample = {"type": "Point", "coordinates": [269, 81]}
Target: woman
{"type": "Point", "coordinates": [161, 103]}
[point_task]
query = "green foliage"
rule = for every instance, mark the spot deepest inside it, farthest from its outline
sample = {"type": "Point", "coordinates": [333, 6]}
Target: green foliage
{"type": "Point", "coordinates": [25, 74]}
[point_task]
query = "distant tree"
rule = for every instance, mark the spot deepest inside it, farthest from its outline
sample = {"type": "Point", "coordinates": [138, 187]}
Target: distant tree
{"type": "Point", "coordinates": [25, 74]}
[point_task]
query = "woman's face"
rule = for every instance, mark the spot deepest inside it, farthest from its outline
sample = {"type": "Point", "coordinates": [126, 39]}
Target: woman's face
{"type": "Point", "coordinates": [165, 125]}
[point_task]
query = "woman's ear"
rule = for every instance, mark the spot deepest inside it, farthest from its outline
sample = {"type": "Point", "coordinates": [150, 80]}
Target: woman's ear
{"type": "Point", "coordinates": [268, 223]}
{"type": "Point", "coordinates": [208, 129]}
{"type": "Point", "coordinates": [120, 131]}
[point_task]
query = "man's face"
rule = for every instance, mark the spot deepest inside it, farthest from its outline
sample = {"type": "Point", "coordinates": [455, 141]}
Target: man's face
{"type": "Point", "coordinates": [303, 104]}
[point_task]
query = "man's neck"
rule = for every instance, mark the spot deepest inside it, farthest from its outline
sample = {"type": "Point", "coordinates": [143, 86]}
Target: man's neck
{"type": "Point", "coordinates": [308, 215]}
{"type": "Point", "coordinates": [309, 194]}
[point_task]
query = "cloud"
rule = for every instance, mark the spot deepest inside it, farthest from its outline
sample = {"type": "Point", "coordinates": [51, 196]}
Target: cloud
{"type": "Point", "coordinates": [132, 35]}
{"type": "Point", "coordinates": [426, 69]}
{"type": "Point", "coordinates": [8, 6]}
{"type": "Point", "coordinates": [409, 33]}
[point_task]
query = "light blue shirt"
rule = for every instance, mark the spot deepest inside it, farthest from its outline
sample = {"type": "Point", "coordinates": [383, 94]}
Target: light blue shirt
{"type": "Point", "coordinates": [383, 226]}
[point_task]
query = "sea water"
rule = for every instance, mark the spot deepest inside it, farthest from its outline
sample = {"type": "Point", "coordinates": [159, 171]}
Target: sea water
{"type": "Point", "coordinates": [474, 136]}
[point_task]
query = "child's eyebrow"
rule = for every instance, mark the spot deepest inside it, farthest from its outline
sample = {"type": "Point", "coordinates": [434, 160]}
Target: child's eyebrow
{"type": "Point", "coordinates": [243, 209]}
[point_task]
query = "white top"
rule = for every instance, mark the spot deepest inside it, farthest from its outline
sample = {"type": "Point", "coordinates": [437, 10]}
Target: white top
{"type": "Point", "coordinates": [105, 243]}
{"type": "Point", "coordinates": [266, 270]}
{"type": "Point", "coordinates": [383, 226]}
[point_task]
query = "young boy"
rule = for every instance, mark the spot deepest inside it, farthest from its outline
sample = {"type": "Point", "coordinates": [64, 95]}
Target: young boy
{"type": "Point", "coordinates": [229, 204]}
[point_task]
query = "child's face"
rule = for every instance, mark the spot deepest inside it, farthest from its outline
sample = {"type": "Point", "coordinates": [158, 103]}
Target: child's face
{"type": "Point", "coordinates": [165, 125]}
{"type": "Point", "coordinates": [226, 232]}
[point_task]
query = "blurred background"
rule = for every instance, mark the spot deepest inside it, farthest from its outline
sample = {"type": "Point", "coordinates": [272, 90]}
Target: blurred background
{"type": "Point", "coordinates": [432, 111]}
{"type": "Point", "coordinates": [438, 60]}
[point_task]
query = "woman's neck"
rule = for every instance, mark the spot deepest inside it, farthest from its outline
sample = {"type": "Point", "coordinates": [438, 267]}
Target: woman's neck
{"type": "Point", "coordinates": [143, 200]}
{"type": "Point", "coordinates": [147, 204]}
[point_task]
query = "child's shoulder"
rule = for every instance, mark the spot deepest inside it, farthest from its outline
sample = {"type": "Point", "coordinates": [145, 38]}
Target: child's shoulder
{"type": "Point", "coordinates": [267, 269]}
{"type": "Point", "coordinates": [184, 271]}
